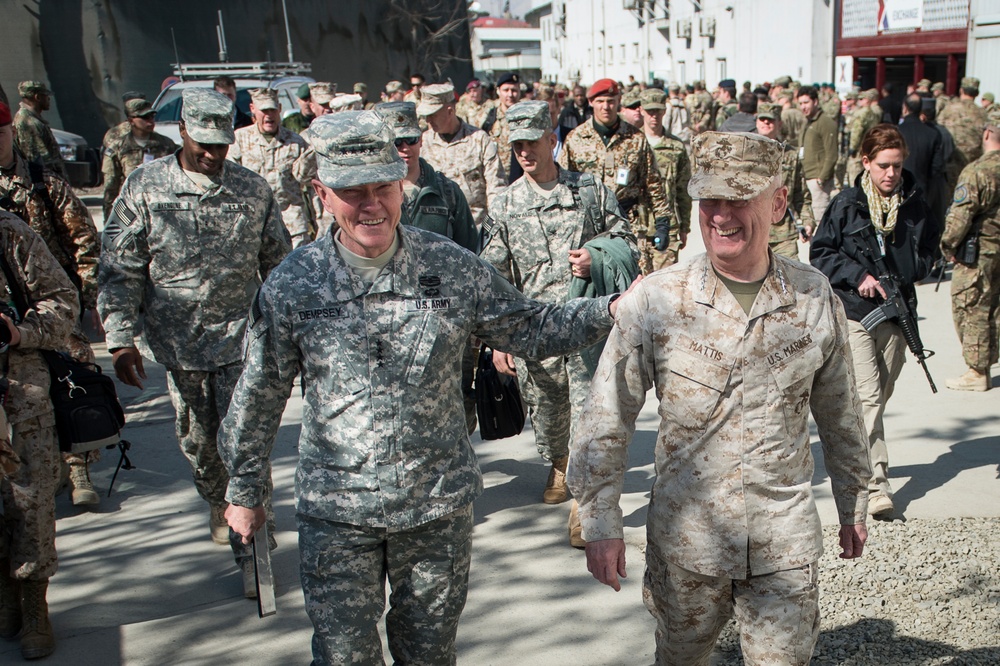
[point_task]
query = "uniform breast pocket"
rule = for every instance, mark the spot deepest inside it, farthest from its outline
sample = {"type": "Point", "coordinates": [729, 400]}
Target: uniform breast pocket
{"type": "Point", "coordinates": [694, 388]}
{"type": "Point", "coordinates": [794, 378]}
{"type": "Point", "coordinates": [473, 177]}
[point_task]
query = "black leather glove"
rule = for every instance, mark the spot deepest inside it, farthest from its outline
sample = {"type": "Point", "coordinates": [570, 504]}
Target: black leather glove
{"type": "Point", "coordinates": [661, 241]}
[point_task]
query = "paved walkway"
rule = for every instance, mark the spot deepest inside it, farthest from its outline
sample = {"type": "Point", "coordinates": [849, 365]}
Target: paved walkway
{"type": "Point", "coordinates": [140, 582]}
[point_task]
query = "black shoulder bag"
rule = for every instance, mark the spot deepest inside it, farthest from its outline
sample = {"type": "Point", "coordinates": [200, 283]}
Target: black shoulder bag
{"type": "Point", "coordinates": [498, 401]}
{"type": "Point", "coordinates": [87, 411]}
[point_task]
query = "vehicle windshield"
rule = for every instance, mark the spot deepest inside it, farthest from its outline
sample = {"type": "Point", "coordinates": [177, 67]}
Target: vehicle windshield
{"type": "Point", "coordinates": [169, 109]}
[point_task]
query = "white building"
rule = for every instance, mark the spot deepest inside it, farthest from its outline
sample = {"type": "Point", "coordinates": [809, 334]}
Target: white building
{"type": "Point", "coordinates": [685, 40]}
{"type": "Point", "coordinates": [502, 45]}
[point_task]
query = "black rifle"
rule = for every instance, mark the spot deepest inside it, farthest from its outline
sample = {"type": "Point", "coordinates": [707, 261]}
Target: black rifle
{"type": "Point", "coordinates": [895, 307]}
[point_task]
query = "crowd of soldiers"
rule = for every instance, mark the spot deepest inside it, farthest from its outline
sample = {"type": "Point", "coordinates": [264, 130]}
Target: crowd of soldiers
{"type": "Point", "coordinates": [564, 192]}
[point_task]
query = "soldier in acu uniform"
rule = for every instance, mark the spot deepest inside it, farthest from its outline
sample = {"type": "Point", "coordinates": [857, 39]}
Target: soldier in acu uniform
{"type": "Point", "coordinates": [32, 133]}
{"type": "Point", "coordinates": [375, 317]}
{"type": "Point", "coordinates": [282, 157]}
{"type": "Point", "coordinates": [675, 170]}
{"type": "Point", "coordinates": [126, 149]}
{"type": "Point", "coordinates": [190, 239]}
{"type": "Point", "coordinates": [785, 232]}
{"type": "Point", "coordinates": [28, 530]}
{"type": "Point", "coordinates": [975, 283]}
{"type": "Point", "coordinates": [619, 156]}
{"type": "Point", "coordinates": [740, 345]}
{"type": "Point", "coordinates": [539, 228]}
{"type": "Point", "coordinates": [47, 203]}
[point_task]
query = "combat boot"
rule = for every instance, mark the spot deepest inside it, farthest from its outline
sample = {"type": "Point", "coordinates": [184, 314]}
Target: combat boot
{"type": "Point", "coordinates": [37, 638]}
{"type": "Point", "coordinates": [83, 489]}
{"type": "Point", "coordinates": [972, 380]}
{"type": "Point", "coordinates": [556, 491]}
{"type": "Point", "coordinates": [219, 526]}
{"type": "Point", "coordinates": [575, 528]}
{"type": "Point", "coordinates": [10, 602]}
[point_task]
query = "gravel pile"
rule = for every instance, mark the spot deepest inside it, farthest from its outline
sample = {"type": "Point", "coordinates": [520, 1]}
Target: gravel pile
{"type": "Point", "coordinates": [926, 592]}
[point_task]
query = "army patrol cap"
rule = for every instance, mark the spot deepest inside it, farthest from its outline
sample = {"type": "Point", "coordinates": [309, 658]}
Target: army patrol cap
{"type": "Point", "coordinates": [265, 98]}
{"type": "Point", "coordinates": [851, 95]}
{"type": "Point", "coordinates": [989, 97]}
{"type": "Point", "coordinates": [528, 121]}
{"type": "Point", "coordinates": [402, 118]}
{"type": "Point", "coordinates": [970, 82]}
{"type": "Point", "coordinates": [29, 88]}
{"type": "Point", "coordinates": [937, 86]}
{"type": "Point", "coordinates": [769, 111]}
{"type": "Point", "coordinates": [355, 148]}
{"type": "Point", "coordinates": [924, 83]}
{"type": "Point", "coordinates": [871, 95]}
{"type": "Point", "coordinates": [393, 87]}
{"type": "Point", "coordinates": [137, 108]}
{"type": "Point", "coordinates": [132, 94]}
{"type": "Point", "coordinates": [322, 92]}
{"type": "Point", "coordinates": [674, 87]}
{"type": "Point", "coordinates": [435, 97]}
{"type": "Point", "coordinates": [360, 88]}
{"type": "Point", "coordinates": [653, 99]}
{"type": "Point", "coordinates": [993, 117]}
{"type": "Point", "coordinates": [783, 81]}
{"type": "Point", "coordinates": [736, 166]}
{"type": "Point", "coordinates": [630, 99]}
{"type": "Point", "coordinates": [208, 116]}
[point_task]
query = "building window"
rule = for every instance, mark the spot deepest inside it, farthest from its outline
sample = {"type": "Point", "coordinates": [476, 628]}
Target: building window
{"type": "Point", "coordinates": [623, 54]}
{"type": "Point", "coordinates": [722, 69]}
{"type": "Point", "coordinates": [635, 51]}
{"type": "Point", "coordinates": [682, 72]}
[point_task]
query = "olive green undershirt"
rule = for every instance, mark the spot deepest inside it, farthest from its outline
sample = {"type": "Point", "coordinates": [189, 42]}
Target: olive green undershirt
{"type": "Point", "coordinates": [745, 293]}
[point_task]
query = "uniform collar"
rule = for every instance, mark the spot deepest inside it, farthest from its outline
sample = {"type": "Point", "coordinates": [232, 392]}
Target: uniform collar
{"type": "Point", "coordinates": [181, 184]}
{"type": "Point", "coordinates": [400, 276]}
{"type": "Point", "coordinates": [775, 292]}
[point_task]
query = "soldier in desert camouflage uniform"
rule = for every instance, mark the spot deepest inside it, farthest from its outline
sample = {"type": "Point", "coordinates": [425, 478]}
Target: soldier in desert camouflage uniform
{"type": "Point", "coordinates": [508, 92]}
{"type": "Point", "coordinates": [538, 231]}
{"type": "Point", "coordinates": [619, 156]}
{"type": "Point", "coordinates": [190, 238]}
{"type": "Point", "coordinates": [32, 134]}
{"type": "Point", "coordinates": [126, 150]}
{"type": "Point", "coordinates": [732, 527]}
{"type": "Point", "coordinates": [282, 157]}
{"type": "Point", "coordinates": [965, 120]}
{"type": "Point", "coordinates": [675, 170]}
{"type": "Point", "coordinates": [460, 151]}
{"type": "Point", "coordinates": [784, 233]}
{"type": "Point", "coordinates": [47, 203]}
{"type": "Point", "coordinates": [941, 100]}
{"type": "Point", "coordinates": [701, 110]}
{"type": "Point", "coordinates": [975, 286]}
{"type": "Point", "coordinates": [28, 534]}
{"type": "Point", "coordinates": [375, 318]}
{"type": "Point", "coordinates": [473, 108]}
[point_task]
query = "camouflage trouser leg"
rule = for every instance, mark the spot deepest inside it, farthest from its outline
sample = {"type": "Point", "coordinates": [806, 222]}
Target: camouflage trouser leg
{"type": "Point", "coordinates": [201, 400]}
{"type": "Point", "coordinates": [78, 346]}
{"type": "Point", "coordinates": [553, 389]}
{"type": "Point", "coordinates": [975, 297]}
{"type": "Point", "coordinates": [878, 359]}
{"type": "Point", "coordinates": [786, 248]}
{"type": "Point", "coordinates": [344, 569]}
{"type": "Point", "coordinates": [651, 259]}
{"type": "Point", "coordinates": [28, 538]}
{"type": "Point", "coordinates": [778, 613]}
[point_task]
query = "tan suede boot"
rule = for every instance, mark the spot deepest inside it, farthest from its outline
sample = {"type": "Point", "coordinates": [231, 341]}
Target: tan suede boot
{"type": "Point", "coordinates": [10, 602]}
{"type": "Point", "coordinates": [972, 380]}
{"type": "Point", "coordinates": [575, 528]}
{"type": "Point", "coordinates": [37, 638]}
{"type": "Point", "coordinates": [83, 489]}
{"type": "Point", "coordinates": [556, 491]}
{"type": "Point", "coordinates": [219, 525]}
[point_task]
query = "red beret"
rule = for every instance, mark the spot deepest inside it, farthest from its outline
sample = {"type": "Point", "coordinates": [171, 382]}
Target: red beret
{"type": "Point", "coordinates": [602, 87]}
{"type": "Point", "coordinates": [5, 118]}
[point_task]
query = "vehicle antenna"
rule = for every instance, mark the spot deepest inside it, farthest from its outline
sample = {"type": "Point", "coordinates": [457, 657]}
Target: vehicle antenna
{"type": "Point", "coordinates": [177, 55]}
{"type": "Point", "coordinates": [221, 31]}
{"type": "Point", "coordinates": [288, 34]}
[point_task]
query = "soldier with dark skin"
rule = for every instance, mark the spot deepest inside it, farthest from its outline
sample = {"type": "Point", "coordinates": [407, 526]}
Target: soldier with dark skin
{"type": "Point", "coordinates": [32, 132]}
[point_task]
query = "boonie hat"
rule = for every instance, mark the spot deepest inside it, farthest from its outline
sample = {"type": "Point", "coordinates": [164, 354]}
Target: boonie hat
{"type": "Point", "coordinates": [653, 99]}
{"type": "Point", "coordinates": [402, 118]}
{"type": "Point", "coordinates": [355, 148]}
{"type": "Point", "coordinates": [769, 111]}
{"type": "Point", "coordinates": [322, 92]}
{"type": "Point", "coordinates": [208, 116]}
{"type": "Point", "coordinates": [137, 108]}
{"type": "Point", "coordinates": [265, 98]}
{"type": "Point", "coordinates": [528, 121]}
{"type": "Point", "coordinates": [602, 87]}
{"type": "Point", "coordinates": [732, 165]}
{"type": "Point", "coordinates": [434, 97]}
{"type": "Point", "coordinates": [29, 88]}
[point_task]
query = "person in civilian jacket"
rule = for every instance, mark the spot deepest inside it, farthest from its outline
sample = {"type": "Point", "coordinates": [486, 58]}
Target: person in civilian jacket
{"type": "Point", "coordinates": [884, 209]}
{"type": "Point", "coordinates": [924, 159]}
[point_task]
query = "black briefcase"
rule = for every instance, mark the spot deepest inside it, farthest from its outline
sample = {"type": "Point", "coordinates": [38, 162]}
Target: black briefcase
{"type": "Point", "coordinates": [498, 401]}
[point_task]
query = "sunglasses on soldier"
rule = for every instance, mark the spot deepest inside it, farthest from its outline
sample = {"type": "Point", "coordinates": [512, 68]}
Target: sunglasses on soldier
{"type": "Point", "coordinates": [409, 141]}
